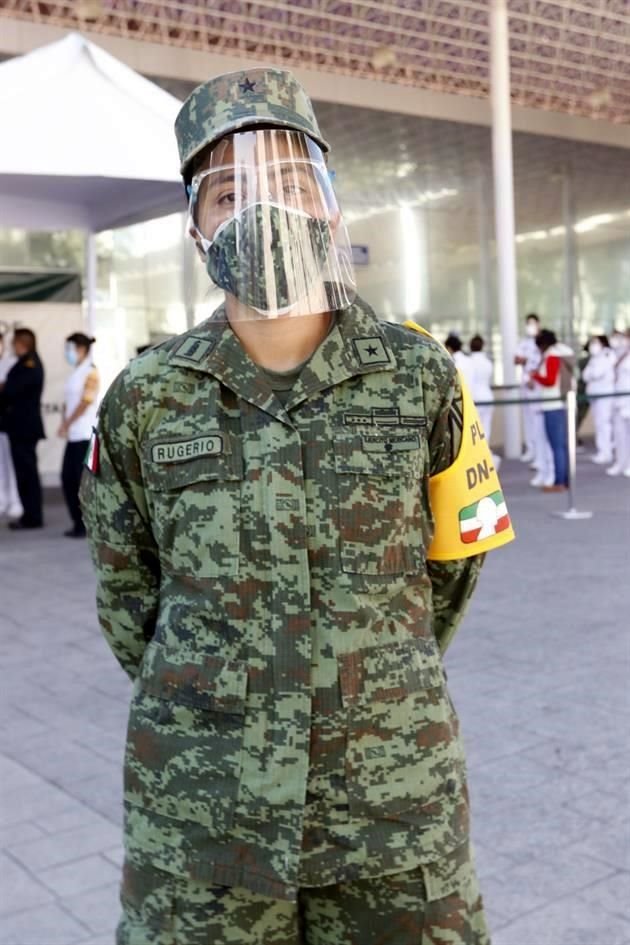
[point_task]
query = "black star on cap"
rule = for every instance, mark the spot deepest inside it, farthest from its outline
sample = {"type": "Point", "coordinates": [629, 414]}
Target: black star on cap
{"type": "Point", "coordinates": [246, 86]}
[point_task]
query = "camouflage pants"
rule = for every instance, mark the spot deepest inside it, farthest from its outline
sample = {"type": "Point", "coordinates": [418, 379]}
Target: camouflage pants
{"type": "Point", "coordinates": [434, 905]}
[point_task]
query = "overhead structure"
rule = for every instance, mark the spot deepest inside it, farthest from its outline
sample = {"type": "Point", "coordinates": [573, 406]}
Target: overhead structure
{"type": "Point", "coordinates": [570, 56]}
{"type": "Point", "coordinates": [86, 143]}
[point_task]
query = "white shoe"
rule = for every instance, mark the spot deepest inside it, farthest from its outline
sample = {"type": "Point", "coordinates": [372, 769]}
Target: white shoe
{"type": "Point", "coordinates": [600, 460]}
{"type": "Point", "coordinates": [497, 461]}
{"type": "Point", "coordinates": [526, 457]}
{"type": "Point", "coordinates": [614, 470]}
{"type": "Point", "coordinates": [626, 472]}
{"type": "Point", "coordinates": [539, 481]}
{"type": "Point", "coordinates": [15, 511]}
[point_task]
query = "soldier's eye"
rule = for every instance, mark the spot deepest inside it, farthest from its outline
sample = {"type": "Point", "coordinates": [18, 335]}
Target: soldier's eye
{"type": "Point", "coordinates": [226, 199]}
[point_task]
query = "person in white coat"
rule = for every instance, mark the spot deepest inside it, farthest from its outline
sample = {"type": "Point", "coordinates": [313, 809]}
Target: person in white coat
{"type": "Point", "coordinates": [481, 383]}
{"type": "Point", "coordinates": [79, 417]}
{"type": "Point", "coordinates": [453, 345]}
{"type": "Point", "coordinates": [599, 376]}
{"type": "Point", "coordinates": [620, 344]}
{"type": "Point", "coordinates": [528, 357]}
{"type": "Point", "coordinates": [10, 504]}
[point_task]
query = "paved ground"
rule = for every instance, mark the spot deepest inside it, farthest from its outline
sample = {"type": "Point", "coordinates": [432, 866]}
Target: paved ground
{"type": "Point", "coordinates": [539, 673]}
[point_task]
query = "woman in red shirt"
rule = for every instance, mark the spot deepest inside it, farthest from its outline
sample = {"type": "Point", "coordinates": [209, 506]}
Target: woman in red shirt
{"type": "Point", "coordinates": [548, 378]}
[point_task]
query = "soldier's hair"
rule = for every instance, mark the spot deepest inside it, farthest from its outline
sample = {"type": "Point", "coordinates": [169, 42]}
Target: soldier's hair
{"type": "Point", "coordinates": [27, 337]}
{"type": "Point", "coordinates": [603, 339]}
{"type": "Point", "coordinates": [533, 316]}
{"type": "Point", "coordinates": [476, 343]}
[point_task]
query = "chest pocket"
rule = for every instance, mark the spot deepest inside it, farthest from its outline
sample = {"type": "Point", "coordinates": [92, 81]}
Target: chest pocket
{"type": "Point", "coordinates": [196, 503]}
{"type": "Point", "coordinates": [379, 479]}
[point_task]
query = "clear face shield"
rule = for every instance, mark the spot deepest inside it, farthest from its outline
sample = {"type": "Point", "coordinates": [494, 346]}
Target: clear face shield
{"type": "Point", "coordinates": [264, 213]}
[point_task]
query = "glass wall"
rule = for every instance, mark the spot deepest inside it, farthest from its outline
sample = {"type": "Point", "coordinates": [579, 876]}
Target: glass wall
{"type": "Point", "coordinates": [417, 196]}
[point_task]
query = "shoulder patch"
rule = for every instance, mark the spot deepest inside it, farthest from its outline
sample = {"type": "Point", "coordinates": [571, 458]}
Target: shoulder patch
{"type": "Point", "coordinates": [194, 348]}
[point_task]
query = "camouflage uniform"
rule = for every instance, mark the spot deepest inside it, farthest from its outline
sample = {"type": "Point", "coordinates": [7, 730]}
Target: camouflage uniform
{"type": "Point", "coordinates": [262, 577]}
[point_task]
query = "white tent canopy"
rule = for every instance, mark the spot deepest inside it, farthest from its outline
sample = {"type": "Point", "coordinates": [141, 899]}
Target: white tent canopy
{"type": "Point", "coordinates": [86, 141]}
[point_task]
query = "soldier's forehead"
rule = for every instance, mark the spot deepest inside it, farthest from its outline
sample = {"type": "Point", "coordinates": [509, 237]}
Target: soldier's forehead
{"type": "Point", "coordinates": [269, 144]}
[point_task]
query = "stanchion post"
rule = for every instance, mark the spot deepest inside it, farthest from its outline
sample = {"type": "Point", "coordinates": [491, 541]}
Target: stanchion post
{"type": "Point", "coordinates": [571, 410]}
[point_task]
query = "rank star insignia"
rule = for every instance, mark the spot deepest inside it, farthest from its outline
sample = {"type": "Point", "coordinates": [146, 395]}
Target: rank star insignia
{"type": "Point", "coordinates": [371, 351]}
{"type": "Point", "coordinates": [247, 85]}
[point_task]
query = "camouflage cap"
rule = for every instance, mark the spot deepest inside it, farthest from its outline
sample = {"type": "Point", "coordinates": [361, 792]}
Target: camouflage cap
{"type": "Point", "coordinates": [238, 100]}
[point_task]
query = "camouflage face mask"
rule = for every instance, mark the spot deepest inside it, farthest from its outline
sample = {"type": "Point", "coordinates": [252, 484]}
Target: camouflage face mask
{"type": "Point", "coordinates": [269, 256]}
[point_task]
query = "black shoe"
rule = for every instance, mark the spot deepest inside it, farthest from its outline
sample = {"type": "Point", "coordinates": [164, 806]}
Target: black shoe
{"type": "Point", "coordinates": [22, 526]}
{"type": "Point", "coordinates": [75, 532]}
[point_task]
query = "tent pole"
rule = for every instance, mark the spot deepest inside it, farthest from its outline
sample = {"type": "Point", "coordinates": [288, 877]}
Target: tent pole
{"type": "Point", "coordinates": [187, 274]}
{"type": "Point", "coordinates": [90, 280]}
{"type": "Point", "coordinates": [504, 208]}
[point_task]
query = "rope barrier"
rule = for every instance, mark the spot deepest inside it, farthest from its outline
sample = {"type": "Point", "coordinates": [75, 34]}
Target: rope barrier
{"type": "Point", "coordinates": [580, 399]}
{"type": "Point", "coordinates": [570, 400]}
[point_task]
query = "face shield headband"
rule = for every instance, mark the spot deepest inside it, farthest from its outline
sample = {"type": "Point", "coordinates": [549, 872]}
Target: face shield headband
{"type": "Point", "coordinates": [264, 213]}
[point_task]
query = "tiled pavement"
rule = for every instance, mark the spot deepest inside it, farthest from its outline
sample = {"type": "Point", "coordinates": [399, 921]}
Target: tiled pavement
{"type": "Point", "coordinates": [539, 673]}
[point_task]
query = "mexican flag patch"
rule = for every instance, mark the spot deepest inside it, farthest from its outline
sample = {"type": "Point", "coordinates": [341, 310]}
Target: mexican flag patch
{"type": "Point", "coordinates": [91, 457]}
{"type": "Point", "coordinates": [483, 518]}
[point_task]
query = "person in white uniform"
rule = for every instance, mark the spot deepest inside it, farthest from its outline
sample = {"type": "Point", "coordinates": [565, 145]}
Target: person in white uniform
{"type": "Point", "coordinates": [10, 504]}
{"type": "Point", "coordinates": [528, 357]}
{"type": "Point", "coordinates": [481, 383]}
{"type": "Point", "coordinates": [620, 344]}
{"type": "Point", "coordinates": [79, 417]}
{"type": "Point", "coordinates": [599, 376]}
{"type": "Point", "coordinates": [453, 345]}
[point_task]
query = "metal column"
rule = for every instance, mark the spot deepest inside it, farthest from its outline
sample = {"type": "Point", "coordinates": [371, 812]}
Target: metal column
{"type": "Point", "coordinates": [504, 209]}
{"type": "Point", "coordinates": [188, 274]}
{"type": "Point", "coordinates": [485, 260]}
{"type": "Point", "coordinates": [570, 257]}
{"type": "Point", "coordinates": [90, 282]}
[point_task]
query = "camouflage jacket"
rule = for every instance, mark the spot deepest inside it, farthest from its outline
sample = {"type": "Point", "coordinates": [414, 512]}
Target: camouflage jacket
{"type": "Point", "coordinates": [262, 577]}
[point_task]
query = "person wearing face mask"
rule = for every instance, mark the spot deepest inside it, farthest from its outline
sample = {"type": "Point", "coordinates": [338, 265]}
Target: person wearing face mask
{"type": "Point", "coordinates": [79, 417]}
{"type": "Point", "coordinates": [620, 344]}
{"type": "Point", "coordinates": [10, 504]}
{"type": "Point", "coordinates": [552, 380]}
{"type": "Point", "coordinates": [285, 540]}
{"type": "Point", "coordinates": [599, 376]}
{"type": "Point", "coordinates": [20, 406]}
{"type": "Point", "coordinates": [528, 358]}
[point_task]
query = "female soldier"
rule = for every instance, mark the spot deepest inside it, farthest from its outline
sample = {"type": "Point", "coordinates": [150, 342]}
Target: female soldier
{"type": "Point", "coordinates": [259, 514]}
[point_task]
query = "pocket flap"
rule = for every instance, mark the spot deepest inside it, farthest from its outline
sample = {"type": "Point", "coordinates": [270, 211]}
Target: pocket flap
{"type": "Point", "coordinates": [175, 462]}
{"type": "Point", "coordinates": [205, 682]}
{"type": "Point", "coordinates": [450, 874]}
{"type": "Point", "coordinates": [389, 672]}
{"type": "Point", "coordinates": [379, 454]}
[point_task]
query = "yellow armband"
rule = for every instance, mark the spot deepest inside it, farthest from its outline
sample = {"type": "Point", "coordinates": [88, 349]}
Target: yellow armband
{"type": "Point", "coordinates": [468, 506]}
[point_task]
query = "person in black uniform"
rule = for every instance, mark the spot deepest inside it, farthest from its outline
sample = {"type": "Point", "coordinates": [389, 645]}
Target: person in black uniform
{"type": "Point", "coordinates": [20, 410]}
